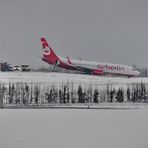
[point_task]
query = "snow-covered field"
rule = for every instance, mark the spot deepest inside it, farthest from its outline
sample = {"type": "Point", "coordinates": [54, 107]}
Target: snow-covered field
{"type": "Point", "coordinates": [62, 78]}
{"type": "Point", "coordinates": [62, 128]}
{"type": "Point", "coordinates": [115, 127]}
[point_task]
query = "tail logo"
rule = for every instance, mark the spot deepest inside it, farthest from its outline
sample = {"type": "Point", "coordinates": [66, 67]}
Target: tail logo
{"type": "Point", "coordinates": [46, 51]}
{"type": "Point", "coordinates": [45, 46]}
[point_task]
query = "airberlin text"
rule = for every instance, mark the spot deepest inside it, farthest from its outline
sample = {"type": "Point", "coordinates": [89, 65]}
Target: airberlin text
{"type": "Point", "coordinates": [110, 67]}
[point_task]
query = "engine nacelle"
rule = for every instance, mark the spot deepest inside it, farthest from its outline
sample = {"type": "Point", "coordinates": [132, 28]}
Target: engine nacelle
{"type": "Point", "coordinates": [97, 72]}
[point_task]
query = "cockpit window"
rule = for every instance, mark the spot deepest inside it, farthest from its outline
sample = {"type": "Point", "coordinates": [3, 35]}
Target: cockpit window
{"type": "Point", "coordinates": [133, 69]}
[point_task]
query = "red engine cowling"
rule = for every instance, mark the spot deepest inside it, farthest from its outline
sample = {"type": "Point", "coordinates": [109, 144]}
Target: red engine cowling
{"type": "Point", "coordinates": [98, 72]}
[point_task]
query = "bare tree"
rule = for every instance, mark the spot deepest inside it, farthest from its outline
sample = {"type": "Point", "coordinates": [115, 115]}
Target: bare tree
{"type": "Point", "coordinates": [112, 94]}
{"type": "Point", "coordinates": [81, 95]}
{"type": "Point", "coordinates": [120, 95]}
{"type": "Point", "coordinates": [2, 93]}
{"type": "Point", "coordinates": [95, 96]}
{"type": "Point", "coordinates": [128, 94]}
{"type": "Point", "coordinates": [36, 94]}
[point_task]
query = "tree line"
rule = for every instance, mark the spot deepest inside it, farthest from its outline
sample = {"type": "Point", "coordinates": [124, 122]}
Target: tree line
{"type": "Point", "coordinates": [36, 94]}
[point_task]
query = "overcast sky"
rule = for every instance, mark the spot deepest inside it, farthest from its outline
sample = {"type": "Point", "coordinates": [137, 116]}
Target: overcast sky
{"type": "Point", "coordinates": [113, 31]}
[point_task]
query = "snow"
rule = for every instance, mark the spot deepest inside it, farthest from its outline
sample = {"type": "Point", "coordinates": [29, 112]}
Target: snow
{"type": "Point", "coordinates": [63, 78]}
{"type": "Point", "coordinates": [110, 126]}
{"type": "Point", "coordinates": [62, 128]}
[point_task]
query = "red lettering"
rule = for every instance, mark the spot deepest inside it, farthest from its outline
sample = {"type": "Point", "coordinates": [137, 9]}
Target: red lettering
{"type": "Point", "coordinates": [110, 67]}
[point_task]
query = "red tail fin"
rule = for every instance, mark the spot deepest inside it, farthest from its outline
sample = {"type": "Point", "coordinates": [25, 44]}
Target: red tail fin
{"type": "Point", "coordinates": [48, 54]}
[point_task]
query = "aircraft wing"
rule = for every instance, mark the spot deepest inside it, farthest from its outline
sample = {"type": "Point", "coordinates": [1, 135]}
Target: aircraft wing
{"type": "Point", "coordinates": [84, 69]}
{"type": "Point", "coordinates": [89, 70]}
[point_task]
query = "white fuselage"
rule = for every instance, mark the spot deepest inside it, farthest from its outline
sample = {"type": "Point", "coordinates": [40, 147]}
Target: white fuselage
{"type": "Point", "coordinates": [107, 68]}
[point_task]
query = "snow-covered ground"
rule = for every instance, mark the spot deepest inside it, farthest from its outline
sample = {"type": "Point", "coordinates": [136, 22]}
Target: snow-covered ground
{"type": "Point", "coordinates": [62, 128]}
{"type": "Point", "coordinates": [47, 80]}
{"type": "Point", "coordinates": [118, 126]}
{"type": "Point", "coordinates": [62, 78]}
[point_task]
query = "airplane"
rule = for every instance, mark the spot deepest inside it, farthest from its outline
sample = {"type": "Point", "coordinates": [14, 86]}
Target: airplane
{"type": "Point", "coordinates": [86, 67]}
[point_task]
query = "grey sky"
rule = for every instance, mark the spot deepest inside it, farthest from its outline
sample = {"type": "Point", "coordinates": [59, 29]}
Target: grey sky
{"type": "Point", "coordinates": [113, 31]}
